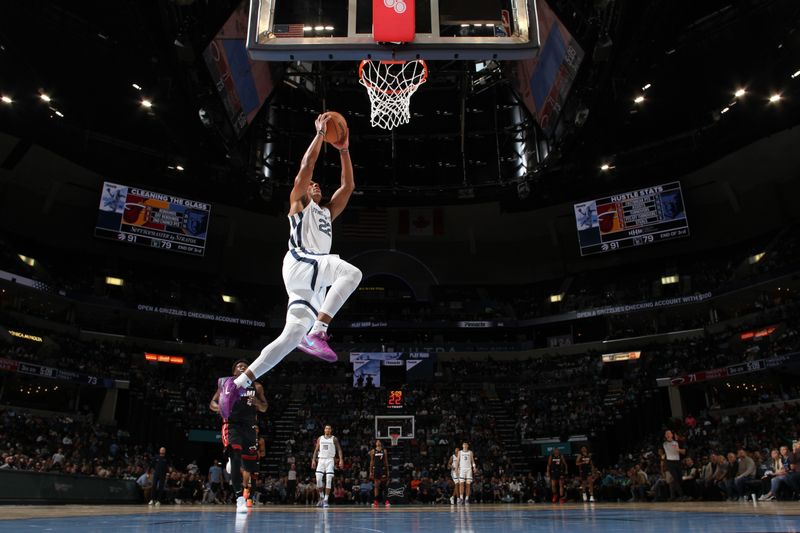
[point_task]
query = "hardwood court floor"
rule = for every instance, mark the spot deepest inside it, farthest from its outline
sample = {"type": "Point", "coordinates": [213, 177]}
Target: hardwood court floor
{"type": "Point", "coordinates": [772, 517]}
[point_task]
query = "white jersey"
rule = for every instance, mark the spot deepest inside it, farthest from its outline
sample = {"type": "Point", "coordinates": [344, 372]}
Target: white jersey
{"type": "Point", "coordinates": [465, 461]}
{"type": "Point", "coordinates": [310, 229]}
{"type": "Point", "coordinates": [454, 463]}
{"type": "Point", "coordinates": [327, 449]}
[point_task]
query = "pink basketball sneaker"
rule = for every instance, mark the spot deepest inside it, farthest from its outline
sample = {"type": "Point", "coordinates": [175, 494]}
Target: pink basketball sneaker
{"type": "Point", "coordinates": [316, 344]}
{"type": "Point", "coordinates": [229, 395]}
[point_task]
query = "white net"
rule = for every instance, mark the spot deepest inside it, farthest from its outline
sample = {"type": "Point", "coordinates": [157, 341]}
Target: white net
{"type": "Point", "coordinates": [390, 86]}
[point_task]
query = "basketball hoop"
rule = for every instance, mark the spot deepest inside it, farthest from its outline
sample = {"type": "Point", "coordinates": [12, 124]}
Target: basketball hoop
{"type": "Point", "coordinates": [395, 438]}
{"type": "Point", "coordinates": [390, 86]}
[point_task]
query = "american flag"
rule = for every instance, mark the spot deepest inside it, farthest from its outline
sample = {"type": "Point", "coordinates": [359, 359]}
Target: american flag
{"type": "Point", "coordinates": [364, 224]}
{"type": "Point", "coordinates": [283, 31]}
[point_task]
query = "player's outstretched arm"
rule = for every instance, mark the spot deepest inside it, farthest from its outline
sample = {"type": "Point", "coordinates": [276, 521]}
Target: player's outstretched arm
{"type": "Point", "coordinates": [342, 195]}
{"type": "Point", "coordinates": [303, 178]}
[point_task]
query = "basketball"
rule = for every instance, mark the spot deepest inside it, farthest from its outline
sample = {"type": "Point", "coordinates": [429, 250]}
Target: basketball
{"type": "Point", "coordinates": [336, 131]}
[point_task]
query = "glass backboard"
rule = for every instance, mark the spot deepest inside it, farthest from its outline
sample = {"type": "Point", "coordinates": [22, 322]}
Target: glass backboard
{"type": "Point", "coordinates": [337, 30]}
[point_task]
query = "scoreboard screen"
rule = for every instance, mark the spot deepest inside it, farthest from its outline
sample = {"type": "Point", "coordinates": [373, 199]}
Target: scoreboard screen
{"type": "Point", "coordinates": [631, 219]}
{"type": "Point", "coordinates": [156, 220]}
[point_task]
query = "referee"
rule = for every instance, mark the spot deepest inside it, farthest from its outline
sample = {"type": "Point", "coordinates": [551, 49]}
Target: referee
{"type": "Point", "coordinates": [673, 452]}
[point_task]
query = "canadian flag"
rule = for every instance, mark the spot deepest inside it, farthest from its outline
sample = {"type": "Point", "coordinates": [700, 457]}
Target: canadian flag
{"type": "Point", "coordinates": [420, 222]}
{"type": "Point", "coordinates": [393, 21]}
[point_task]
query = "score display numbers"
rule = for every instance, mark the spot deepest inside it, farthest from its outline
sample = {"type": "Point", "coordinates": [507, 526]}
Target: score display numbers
{"type": "Point", "coordinates": [631, 219]}
{"type": "Point", "coordinates": [395, 399]}
{"type": "Point", "coordinates": [156, 220]}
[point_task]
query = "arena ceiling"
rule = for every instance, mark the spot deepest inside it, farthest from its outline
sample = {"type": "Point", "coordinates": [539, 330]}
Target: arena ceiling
{"type": "Point", "coordinates": [692, 57]}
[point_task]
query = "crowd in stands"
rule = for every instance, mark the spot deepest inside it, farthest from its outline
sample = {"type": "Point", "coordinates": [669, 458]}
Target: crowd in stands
{"type": "Point", "coordinates": [548, 396]}
{"type": "Point", "coordinates": [67, 444]}
{"type": "Point", "coordinates": [716, 271]}
{"type": "Point", "coordinates": [732, 456]}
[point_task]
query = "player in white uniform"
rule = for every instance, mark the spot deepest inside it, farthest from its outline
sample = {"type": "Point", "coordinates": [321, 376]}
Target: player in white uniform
{"type": "Point", "coordinates": [452, 464]}
{"type": "Point", "coordinates": [325, 451]}
{"type": "Point", "coordinates": [466, 466]}
{"type": "Point", "coordinates": [308, 267]}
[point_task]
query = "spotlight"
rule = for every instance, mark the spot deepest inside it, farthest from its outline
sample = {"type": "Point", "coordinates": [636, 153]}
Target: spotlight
{"type": "Point", "coordinates": [725, 110]}
{"type": "Point", "coordinates": [146, 103]}
{"type": "Point", "coordinates": [647, 86]}
{"type": "Point", "coordinates": [739, 93]}
{"type": "Point", "coordinates": [796, 74]}
{"type": "Point", "coordinates": [60, 114]}
{"type": "Point", "coordinates": [136, 86]}
{"type": "Point", "coordinates": [179, 168]}
{"type": "Point", "coordinates": [6, 99]}
{"type": "Point", "coordinates": [639, 99]}
{"type": "Point", "coordinates": [605, 166]}
{"type": "Point", "coordinates": [774, 98]}
{"type": "Point", "coordinates": [45, 97]}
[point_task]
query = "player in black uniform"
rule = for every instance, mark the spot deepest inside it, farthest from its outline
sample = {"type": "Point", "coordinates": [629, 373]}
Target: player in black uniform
{"type": "Point", "coordinates": [557, 471]}
{"type": "Point", "coordinates": [378, 470]}
{"type": "Point", "coordinates": [240, 434]}
{"type": "Point", "coordinates": [586, 472]}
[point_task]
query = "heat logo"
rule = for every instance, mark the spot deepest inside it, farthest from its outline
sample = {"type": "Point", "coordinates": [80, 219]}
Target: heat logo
{"type": "Point", "coordinates": [398, 5]}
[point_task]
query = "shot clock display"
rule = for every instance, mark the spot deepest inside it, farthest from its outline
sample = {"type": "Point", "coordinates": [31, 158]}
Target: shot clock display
{"type": "Point", "coordinates": [395, 399]}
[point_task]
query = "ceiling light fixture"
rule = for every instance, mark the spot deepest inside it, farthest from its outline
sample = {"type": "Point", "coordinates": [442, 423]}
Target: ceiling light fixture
{"type": "Point", "coordinates": [45, 97]}
{"type": "Point", "coordinates": [6, 99]}
{"type": "Point", "coordinates": [647, 86]}
{"type": "Point", "coordinates": [774, 98]}
{"type": "Point", "coordinates": [797, 73]}
{"type": "Point", "coordinates": [639, 99]}
{"type": "Point", "coordinates": [739, 93]}
{"type": "Point", "coordinates": [146, 103]}
{"type": "Point", "coordinates": [136, 86]}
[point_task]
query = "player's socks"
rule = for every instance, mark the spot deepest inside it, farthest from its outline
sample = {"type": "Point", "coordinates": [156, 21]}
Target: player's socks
{"type": "Point", "coordinates": [243, 381]}
{"type": "Point", "coordinates": [319, 326]}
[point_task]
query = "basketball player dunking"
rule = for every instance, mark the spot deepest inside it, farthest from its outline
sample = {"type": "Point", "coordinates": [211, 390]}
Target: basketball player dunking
{"type": "Point", "coordinates": [557, 471]}
{"type": "Point", "coordinates": [586, 473]}
{"type": "Point", "coordinates": [325, 451]}
{"type": "Point", "coordinates": [378, 470]}
{"type": "Point", "coordinates": [308, 267]}
{"type": "Point", "coordinates": [466, 467]}
{"type": "Point", "coordinates": [452, 464]}
{"type": "Point", "coordinates": [240, 434]}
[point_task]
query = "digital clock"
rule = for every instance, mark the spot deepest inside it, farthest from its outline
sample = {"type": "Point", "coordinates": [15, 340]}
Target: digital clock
{"type": "Point", "coordinates": [395, 399]}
